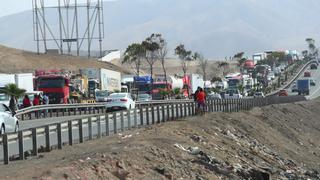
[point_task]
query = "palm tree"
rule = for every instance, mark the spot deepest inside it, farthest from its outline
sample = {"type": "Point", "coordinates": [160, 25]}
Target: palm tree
{"type": "Point", "coordinates": [14, 92]}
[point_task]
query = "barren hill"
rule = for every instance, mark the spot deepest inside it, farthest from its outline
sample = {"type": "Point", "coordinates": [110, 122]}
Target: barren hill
{"type": "Point", "coordinates": [19, 61]}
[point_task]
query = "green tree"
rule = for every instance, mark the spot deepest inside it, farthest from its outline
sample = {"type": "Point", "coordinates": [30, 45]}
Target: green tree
{"type": "Point", "coordinates": [151, 56]}
{"type": "Point", "coordinates": [14, 92]}
{"type": "Point", "coordinates": [239, 57]}
{"type": "Point", "coordinates": [162, 53]}
{"type": "Point", "coordinates": [185, 57]}
{"type": "Point", "coordinates": [133, 56]}
{"type": "Point", "coordinates": [203, 64]}
{"type": "Point", "coordinates": [313, 50]}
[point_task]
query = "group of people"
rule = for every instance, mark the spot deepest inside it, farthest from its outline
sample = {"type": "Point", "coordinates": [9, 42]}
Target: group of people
{"type": "Point", "coordinates": [37, 100]}
{"type": "Point", "coordinates": [200, 98]}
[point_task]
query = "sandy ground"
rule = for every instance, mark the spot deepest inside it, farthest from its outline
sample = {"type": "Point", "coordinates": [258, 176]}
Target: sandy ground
{"type": "Point", "coordinates": [281, 141]}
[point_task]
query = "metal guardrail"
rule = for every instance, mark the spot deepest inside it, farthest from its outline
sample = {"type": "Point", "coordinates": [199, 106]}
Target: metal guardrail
{"type": "Point", "coordinates": [43, 111]}
{"type": "Point", "coordinates": [45, 138]}
{"type": "Point", "coordinates": [293, 79]}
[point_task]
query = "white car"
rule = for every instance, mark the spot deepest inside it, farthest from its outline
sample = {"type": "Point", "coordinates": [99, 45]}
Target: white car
{"type": "Point", "coordinates": [233, 94]}
{"type": "Point", "coordinates": [8, 121]}
{"type": "Point", "coordinates": [213, 96]}
{"type": "Point", "coordinates": [118, 101]}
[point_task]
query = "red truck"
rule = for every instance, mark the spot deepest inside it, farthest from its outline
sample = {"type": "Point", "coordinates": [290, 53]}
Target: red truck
{"type": "Point", "coordinates": [55, 86]}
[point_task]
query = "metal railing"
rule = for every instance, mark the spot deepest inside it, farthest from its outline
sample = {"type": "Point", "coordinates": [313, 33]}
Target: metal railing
{"type": "Point", "coordinates": [287, 85]}
{"type": "Point", "coordinates": [16, 146]}
{"type": "Point", "coordinates": [56, 110]}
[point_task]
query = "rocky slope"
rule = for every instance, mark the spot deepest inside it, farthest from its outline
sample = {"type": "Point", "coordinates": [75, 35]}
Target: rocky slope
{"type": "Point", "coordinates": [281, 141]}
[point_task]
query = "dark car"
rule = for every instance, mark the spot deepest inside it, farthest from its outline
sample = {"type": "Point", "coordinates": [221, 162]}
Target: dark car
{"type": "Point", "coordinates": [283, 92]}
{"type": "Point", "coordinates": [313, 66]}
{"type": "Point", "coordinates": [307, 74]}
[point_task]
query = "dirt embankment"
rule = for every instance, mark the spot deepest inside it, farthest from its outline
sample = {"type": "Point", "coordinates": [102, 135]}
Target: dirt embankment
{"type": "Point", "coordinates": [279, 140]}
{"type": "Point", "coordinates": [19, 61]}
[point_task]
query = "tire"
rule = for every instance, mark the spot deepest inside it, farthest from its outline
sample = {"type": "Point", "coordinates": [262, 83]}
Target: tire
{"type": "Point", "coordinates": [16, 128]}
{"type": "Point", "coordinates": [2, 130]}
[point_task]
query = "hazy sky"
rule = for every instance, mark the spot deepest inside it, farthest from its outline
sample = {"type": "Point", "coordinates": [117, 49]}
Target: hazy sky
{"type": "Point", "coordinates": [8, 7]}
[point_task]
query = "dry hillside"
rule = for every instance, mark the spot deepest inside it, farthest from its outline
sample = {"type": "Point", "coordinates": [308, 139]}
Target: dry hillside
{"type": "Point", "coordinates": [279, 140]}
{"type": "Point", "coordinates": [19, 61]}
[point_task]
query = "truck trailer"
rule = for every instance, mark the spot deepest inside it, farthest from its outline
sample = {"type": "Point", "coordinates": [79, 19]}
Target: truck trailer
{"type": "Point", "coordinates": [102, 79]}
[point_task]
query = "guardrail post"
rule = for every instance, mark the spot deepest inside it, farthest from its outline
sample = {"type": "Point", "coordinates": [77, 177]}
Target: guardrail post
{"type": "Point", "coordinates": [59, 136]}
{"type": "Point", "coordinates": [135, 116]}
{"type": "Point", "coordinates": [172, 111]}
{"type": "Point", "coordinates": [122, 120]}
{"type": "Point", "coordinates": [115, 128]}
{"type": "Point", "coordinates": [129, 118]}
{"type": "Point", "coordinates": [34, 142]}
{"type": "Point", "coordinates": [168, 113]}
{"type": "Point", "coordinates": [47, 134]}
{"type": "Point", "coordinates": [152, 115]}
{"type": "Point", "coordinates": [177, 111]}
{"type": "Point", "coordinates": [185, 109]}
{"type": "Point", "coordinates": [21, 147]}
{"type": "Point", "coordinates": [107, 120]}
{"type": "Point", "coordinates": [90, 128]}
{"type": "Point", "coordinates": [141, 116]}
{"type": "Point", "coordinates": [50, 112]}
{"type": "Point", "coordinates": [147, 115]}
{"type": "Point", "coordinates": [158, 115]}
{"type": "Point", "coordinates": [5, 146]}
{"type": "Point", "coordinates": [161, 119]}
{"type": "Point", "coordinates": [181, 109]}
{"type": "Point", "coordinates": [163, 112]}
{"type": "Point", "coordinates": [70, 133]}
{"type": "Point", "coordinates": [74, 111]}
{"type": "Point", "coordinates": [69, 112]}
{"type": "Point", "coordinates": [80, 124]}
{"type": "Point", "coordinates": [63, 111]}
{"type": "Point", "coordinates": [99, 127]}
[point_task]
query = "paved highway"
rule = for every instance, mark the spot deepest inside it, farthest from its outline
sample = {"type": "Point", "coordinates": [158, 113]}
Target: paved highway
{"type": "Point", "coordinates": [315, 90]}
{"type": "Point", "coordinates": [121, 124]}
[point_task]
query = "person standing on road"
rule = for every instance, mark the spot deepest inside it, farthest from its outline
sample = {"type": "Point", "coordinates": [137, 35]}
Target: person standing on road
{"type": "Point", "coordinates": [196, 94]}
{"type": "Point", "coordinates": [201, 99]}
{"type": "Point", "coordinates": [36, 100]}
{"type": "Point", "coordinates": [26, 101]}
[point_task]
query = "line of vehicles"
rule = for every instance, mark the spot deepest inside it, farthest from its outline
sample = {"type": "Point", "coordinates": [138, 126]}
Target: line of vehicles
{"type": "Point", "coordinates": [303, 85]}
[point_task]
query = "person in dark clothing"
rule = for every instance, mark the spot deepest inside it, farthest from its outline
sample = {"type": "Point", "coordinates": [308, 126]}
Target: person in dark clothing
{"type": "Point", "coordinates": [26, 101]}
{"type": "Point", "coordinates": [36, 100]}
{"type": "Point", "coordinates": [196, 94]}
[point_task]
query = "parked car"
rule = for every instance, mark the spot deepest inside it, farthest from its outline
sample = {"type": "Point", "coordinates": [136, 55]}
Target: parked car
{"type": "Point", "coordinates": [312, 82]}
{"type": "Point", "coordinates": [258, 95]}
{"type": "Point", "coordinates": [307, 74]}
{"type": "Point", "coordinates": [8, 121]}
{"type": "Point", "coordinates": [117, 101]}
{"type": "Point", "coordinates": [144, 97]}
{"type": "Point", "coordinates": [214, 96]}
{"type": "Point", "coordinates": [313, 66]}
{"type": "Point", "coordinates": [283, 92]}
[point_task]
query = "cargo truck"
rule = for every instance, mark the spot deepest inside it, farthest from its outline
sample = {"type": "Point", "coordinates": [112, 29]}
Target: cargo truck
{"type": "Point", "coordinates": [102, 79]}
{"type": "Point", "coordinates": [303, 86]}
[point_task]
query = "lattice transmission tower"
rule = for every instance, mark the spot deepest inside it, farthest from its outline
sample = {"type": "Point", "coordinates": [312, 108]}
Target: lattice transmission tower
{"type": "Point", "coordinates": [68, 26]}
